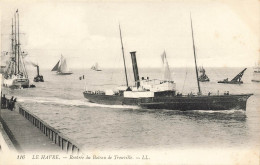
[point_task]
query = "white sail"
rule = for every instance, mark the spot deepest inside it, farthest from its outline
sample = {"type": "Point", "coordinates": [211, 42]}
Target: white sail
{"type": "Point", "coordinates": [97, 68]}
{"type": "Point", "coordinates": [166, 68]}
{"type": "Point", "coordinates": [63, 66]}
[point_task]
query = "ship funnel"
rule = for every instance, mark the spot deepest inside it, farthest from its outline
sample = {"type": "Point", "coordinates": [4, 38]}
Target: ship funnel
{"type": "Point", "coordinates": [135, 69]}
{"type": "Point", "coordinates": [38, 70]}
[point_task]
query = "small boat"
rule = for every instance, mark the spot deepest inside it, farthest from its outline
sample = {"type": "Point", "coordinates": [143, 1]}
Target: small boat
{"type": "Point", "coordinates": [15, 75]}
{"type": "Point", "coordinates": [161, 94]}
{"type": "Point", "coordinates": [256, 73]}
{"type": "Point", "coordinates": [96, 67]}
{"type": "Point", "coordinates": [38, 78]}
{"type": "Point", "coordinates": [235, 80]}
{"type": "Point", "coordinates": [203, 77]}
{"type": "Point", "coordinates": [61, 67]}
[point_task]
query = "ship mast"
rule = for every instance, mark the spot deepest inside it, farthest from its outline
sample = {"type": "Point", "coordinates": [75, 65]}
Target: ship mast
{"type": "Point", "coordinates": [123, 55]}
{"type": "Point", "coordinates": [15, 44]}
{"type": "Point", "coordinates": [195, 58]}
{"type": "Point", "coordinates": [18, 53]}
{"type": "Point", "coordinates": [12, 54]}
{"type": "Point", "coordinates": [12, 35]}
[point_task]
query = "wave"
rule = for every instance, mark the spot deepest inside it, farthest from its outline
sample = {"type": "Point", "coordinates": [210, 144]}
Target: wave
{"type": "Point", "coordinates": [220, 111]}
{"type": "Point", "coordinates": [69, 102]}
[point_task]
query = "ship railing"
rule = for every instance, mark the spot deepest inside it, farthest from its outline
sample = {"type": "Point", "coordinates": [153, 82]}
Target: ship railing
{"type": "Point", "coordinates": [97, 92]}
{"type": "Point", "coordinates": [66, 144]}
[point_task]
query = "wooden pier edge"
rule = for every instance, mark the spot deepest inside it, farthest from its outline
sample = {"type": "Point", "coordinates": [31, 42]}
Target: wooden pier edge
{"type": "Point", "coordinates": [66, 144]}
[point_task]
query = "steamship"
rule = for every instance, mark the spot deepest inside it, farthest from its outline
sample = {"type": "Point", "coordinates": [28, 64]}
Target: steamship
{"type": "Point", "coordinates": [161, 94]}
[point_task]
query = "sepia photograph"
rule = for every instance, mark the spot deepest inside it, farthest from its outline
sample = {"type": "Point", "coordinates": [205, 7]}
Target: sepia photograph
{"type": "Point", "coordinates": [130, 82]}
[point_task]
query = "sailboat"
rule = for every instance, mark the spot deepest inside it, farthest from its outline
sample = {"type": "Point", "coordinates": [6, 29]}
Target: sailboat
{"type": "Point", "coordinates": [151, 95]}
{"type": "Point", "coordinates": [256, 73]}
{"type": "Point", "coordinates": [15, 75]}
{"type": "Point", "coordinates": [96, 67]}
{"type": "Point", "coordinates": [61, 67]}
{"type": "Point", "coordinates": [236, 80]}
{"type": "Point", "coordinates": [203, 77]}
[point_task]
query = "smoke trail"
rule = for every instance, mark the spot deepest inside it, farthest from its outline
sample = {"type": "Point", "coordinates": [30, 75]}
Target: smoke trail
{"type": "Point", "coordinates": [29, 62]}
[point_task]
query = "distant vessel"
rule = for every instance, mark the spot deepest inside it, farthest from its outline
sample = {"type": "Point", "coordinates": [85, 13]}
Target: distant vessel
{"type": "Point", "coordinates": [256, 73]}
{"type": "Point", "coordinates": [61, 67]}
{"type": "Point", "coordinates": [38, 78]}
{"type": "Point", "coordinates": [161, 94]}
{"type": "Point", "coordinates": [203, 77]}
{"type": "Point", "coordinates": [15, 75]}
{"type": "Point", "coordinates": [96, 67]}
{"type": "Point", "coordinates": [235, 80]}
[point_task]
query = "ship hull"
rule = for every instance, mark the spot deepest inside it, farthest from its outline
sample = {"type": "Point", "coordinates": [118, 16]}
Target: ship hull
{"type": "Point", "coordinates": [223, 102]}
{"type": "Point", "coordinates": [60, 73]}
{"type": "Point", "coordinates": [256, 77]}
{"type": "Point", "coordinates": [230, 82]}
{"type": "Point", "coordinates": [218, 102]}
{"type": "Point", "coordinates": [202, 80]}
{"type": "Point", "coordinates": [16, 83]}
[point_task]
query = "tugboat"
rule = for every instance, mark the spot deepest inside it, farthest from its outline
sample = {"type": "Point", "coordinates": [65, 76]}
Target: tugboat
{"type": "Point", "coordinates": [38, 78]}
{"type": "Point", "coordinates": [162, 95]}
{"type": "Point", "coordinates": [236, 79]}
{"type": "Point", "coordinates": [203, 77]}
{"type": "Point", "coordinates": [16, 75]}
{"type": "Point", "coordinates": [61, 67]}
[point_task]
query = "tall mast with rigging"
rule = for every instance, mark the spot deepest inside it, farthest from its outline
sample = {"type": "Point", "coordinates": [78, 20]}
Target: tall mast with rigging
{"type": "Point", "coordinates": [18, 51]}
{"type": "Point", "coordinates": [15, 45]}
{"type": "Point", "coordinates": [195, 57]}
{"type": "Point", "coordinates": [12, 35]}
{"type": "Point", "coordinates": [123, 55]}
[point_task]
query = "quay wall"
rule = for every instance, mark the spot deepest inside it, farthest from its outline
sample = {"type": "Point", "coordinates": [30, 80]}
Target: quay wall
{"type": "Point", "coordinates": [66, 144]}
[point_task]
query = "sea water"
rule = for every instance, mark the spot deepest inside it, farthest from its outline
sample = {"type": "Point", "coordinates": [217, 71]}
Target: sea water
{"type": "Point", "coordinates": [59, 101]}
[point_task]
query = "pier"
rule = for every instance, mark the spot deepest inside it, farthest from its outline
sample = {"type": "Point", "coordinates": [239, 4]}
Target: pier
{"type": "Point", "coordinates": [29, 133]}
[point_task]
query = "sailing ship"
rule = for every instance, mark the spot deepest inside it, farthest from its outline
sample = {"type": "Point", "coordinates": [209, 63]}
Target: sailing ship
{"type": "Point", "coordinates": [236, 80]}
{"type": "Point", "coordinates": [162, 95]}
{"type": "Point", "coordinates": [61, 67]}
{"type": "Point", "coordinates": [96, 67]}
{"type": "Point", "coordinates": [15, 75]}
{"type": "Point", "coordinates": [203, 77]}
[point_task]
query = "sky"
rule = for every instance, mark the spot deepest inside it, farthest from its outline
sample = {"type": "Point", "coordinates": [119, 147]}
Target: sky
{"type": "Point", "coordinates": [86, 32]}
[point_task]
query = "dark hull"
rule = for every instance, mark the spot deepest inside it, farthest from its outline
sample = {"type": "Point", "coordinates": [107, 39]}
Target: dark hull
{"type": "Point", "coordinates": [110, 99]}
{"type": "Point", "coordinates": [206, 80]}
{"type": "Point", "coordinates": [230, 82]}
{"type": "Point", "coordinates": [38, 79]}
{"type": "Point", "coordinates": [59, 73]}
{"type": "Point", "coordinates": [218, 102]}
